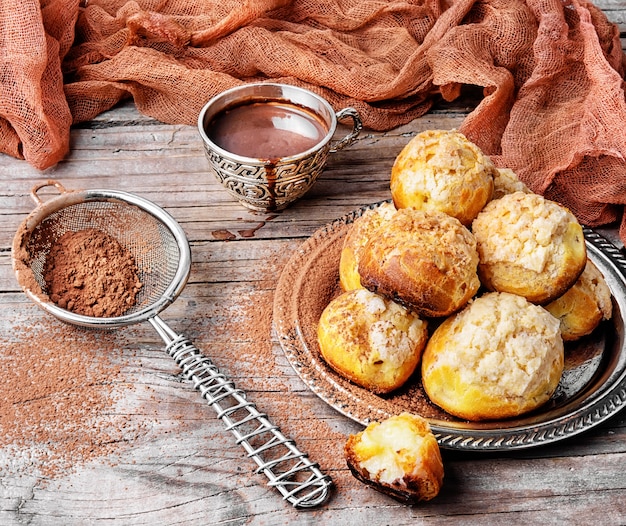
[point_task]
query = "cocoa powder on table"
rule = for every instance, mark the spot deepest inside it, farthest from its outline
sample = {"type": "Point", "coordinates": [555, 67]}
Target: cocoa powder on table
{"type": "Point", "coordinates": [90, 273]}
{"type": "Point", "coordinates": [60, 390]}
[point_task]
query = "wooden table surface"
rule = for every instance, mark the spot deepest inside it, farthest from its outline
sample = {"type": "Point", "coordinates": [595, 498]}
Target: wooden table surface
{"type": "Point", "coordinates": [148, 449]}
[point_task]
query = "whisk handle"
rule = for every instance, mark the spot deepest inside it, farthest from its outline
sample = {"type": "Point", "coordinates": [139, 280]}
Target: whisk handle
{"type": "Point", "coordinates": [288, 469]}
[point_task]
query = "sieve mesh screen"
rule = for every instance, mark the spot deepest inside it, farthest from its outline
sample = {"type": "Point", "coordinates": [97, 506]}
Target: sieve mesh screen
{"type": "Point", "coordinates": [149, 240]}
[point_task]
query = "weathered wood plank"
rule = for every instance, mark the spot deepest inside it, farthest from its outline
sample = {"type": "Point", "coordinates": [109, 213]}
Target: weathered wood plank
{"type": "Point", "coordinates": [171, 461]}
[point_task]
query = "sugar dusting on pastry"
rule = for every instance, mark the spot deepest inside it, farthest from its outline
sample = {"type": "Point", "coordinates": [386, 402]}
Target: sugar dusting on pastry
{"type": "Point", "coordinates": [425, 259]}
{"type": "Point", "coordinates": [583, 306]}
{"type": "Point", "coordinates": [442, 170]}
{"type": "Point", "coordinates": [501, 356]}
{"type": "Point", "coordinates": [529, 245]}
{"type": "Point", "coordinates": [371, 340]}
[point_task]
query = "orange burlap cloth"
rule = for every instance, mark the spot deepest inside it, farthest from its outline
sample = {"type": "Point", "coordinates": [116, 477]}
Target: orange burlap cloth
{"type": "Point", "coordinates": [552, 73]}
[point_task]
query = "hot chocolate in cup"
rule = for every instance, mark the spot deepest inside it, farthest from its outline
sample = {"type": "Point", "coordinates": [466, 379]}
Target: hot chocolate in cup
{"type": "Point", "coordinates": [268, 143]}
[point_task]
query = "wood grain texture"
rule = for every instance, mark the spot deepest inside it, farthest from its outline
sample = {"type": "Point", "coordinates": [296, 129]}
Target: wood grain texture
{"type": "Point", "coordinates": [172, 462]}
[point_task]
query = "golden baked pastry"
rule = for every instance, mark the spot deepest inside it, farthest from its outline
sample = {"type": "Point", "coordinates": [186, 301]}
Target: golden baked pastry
{"type": "Point", "coordinates": [358, 234]}
{"type": "Point", "coordinates": [581, 309]}
{"type": "Point", "coordinates": [529, 245]}
{"type": "Point", "coordinates": [500, 357]}
{"type": "Point", "coordinates": [506, 182]}
{"type": "Point", "coordinates": [370, 340]}
{"type": "Point", "coordinates": [442, 170]}
{"type": "Point", "coordinates": [398, 456]}
{"type": "Point", "coordinates": [424, 259]}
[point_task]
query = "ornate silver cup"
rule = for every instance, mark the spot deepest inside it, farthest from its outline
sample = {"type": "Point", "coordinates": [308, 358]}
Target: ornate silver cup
{"type": "Point", "coordinates": [273, 183]}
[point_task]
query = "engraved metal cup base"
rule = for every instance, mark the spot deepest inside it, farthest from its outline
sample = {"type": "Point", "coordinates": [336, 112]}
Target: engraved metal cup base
{"type": "Point", "coordinates": [264, 185]}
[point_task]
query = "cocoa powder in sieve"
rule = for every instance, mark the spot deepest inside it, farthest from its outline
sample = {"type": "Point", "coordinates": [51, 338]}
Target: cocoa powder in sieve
{"type": "Point", "coordinates": [90, 273]}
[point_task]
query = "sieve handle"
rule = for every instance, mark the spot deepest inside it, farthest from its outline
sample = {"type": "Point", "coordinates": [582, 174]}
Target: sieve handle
{"type": "Point", "coordinates": [289, 470]}
{"type": "Point", "coordinates": [39, 186]}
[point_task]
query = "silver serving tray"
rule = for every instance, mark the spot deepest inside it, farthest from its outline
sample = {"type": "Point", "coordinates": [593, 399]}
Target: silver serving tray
{"type": "Point", "coordinates": [592, 388]}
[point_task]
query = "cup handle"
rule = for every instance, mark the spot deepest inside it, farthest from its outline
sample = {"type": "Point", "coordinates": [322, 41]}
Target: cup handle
{"type": "Point", "coordinates": [357, 126]}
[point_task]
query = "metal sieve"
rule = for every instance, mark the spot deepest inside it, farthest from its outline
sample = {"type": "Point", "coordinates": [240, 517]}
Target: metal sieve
{"type": "Point", "coordinates": [163, 259]}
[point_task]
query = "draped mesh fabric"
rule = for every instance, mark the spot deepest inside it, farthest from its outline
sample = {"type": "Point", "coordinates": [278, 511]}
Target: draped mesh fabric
{"type": "Point", "coordinates": [551, 72]}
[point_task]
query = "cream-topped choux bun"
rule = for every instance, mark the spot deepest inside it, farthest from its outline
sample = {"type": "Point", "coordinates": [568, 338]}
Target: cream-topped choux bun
{"type": "Point", "coordinates": [398, 456]}
{"type": "Point", "coordinates": [370, 340]}
{"type": "Point", "coordinates": [442, 170]}
{"type": "Point", "coordinates": [529, 245]}
{"type": "Point", "coordinates": [581, 309]}
{"type": "Point", "coordinates": [360, 231]}
{"type": "Point", "coordinates": [425, 260]}
{"type": "Point", "coordinates": [506, 182]}
{"type": "Point", "coordinates": [500, 357]}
